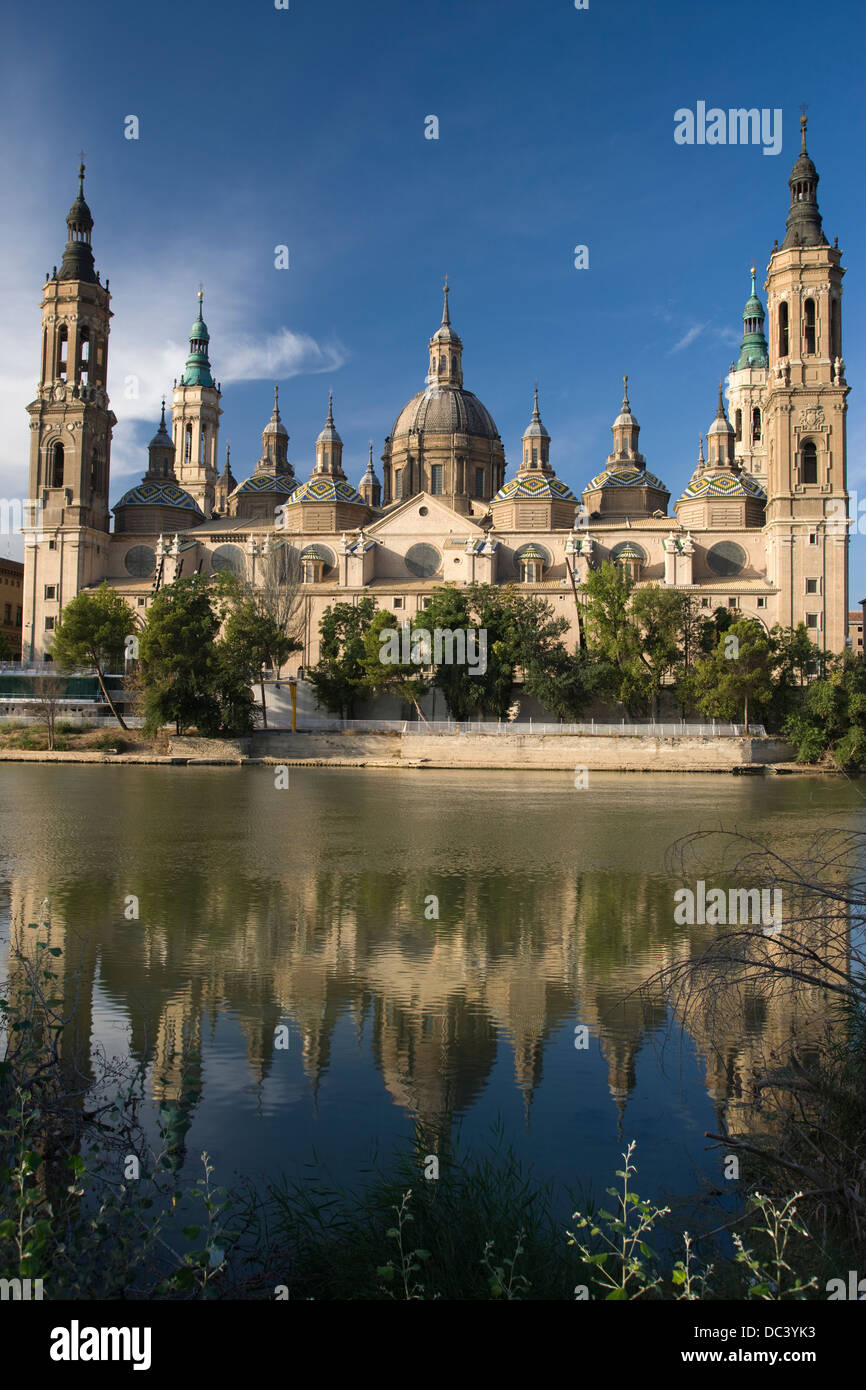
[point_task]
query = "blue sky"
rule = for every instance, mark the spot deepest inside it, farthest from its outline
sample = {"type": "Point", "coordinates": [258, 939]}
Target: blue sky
{"type": "Point", "coordinates": [305, 127]}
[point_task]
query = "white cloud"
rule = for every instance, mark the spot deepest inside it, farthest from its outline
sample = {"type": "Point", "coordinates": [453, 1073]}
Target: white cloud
{"type": "Point", "coordinates": [688, 338]}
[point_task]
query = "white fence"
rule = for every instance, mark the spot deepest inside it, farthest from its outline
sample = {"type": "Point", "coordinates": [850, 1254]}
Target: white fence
{"type": "Point", "coordinates": [526, 726]}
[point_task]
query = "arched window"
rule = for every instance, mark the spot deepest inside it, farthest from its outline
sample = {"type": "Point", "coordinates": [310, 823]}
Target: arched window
{"type": "Point", "coordinates": [756, 425]}
{"type": "Point", "coordinates": [398, 482]}
{"type": "Point", "coordinates": [62, 349]}
{"type": "Point", "coordinates": [783, 329]}
{"type": "Point", "coordinates": [809, 462]}
{"type": "Point", "coordinates": [187, 445]}
{"type": "Point", "coordinates": [534, 457]}
{"type": "Point", "coordinates": [835, 346]}
{"type": "Point", "coordinates": [809, 327]}
{"type": "Point", "coordinates": [738, 425]}
{"type": "Point", "coordinates": [55, 472]}
{"type": "Point", "coordinates": [201, 446]}
{"type": "Point", "coordinates": [84, 356]}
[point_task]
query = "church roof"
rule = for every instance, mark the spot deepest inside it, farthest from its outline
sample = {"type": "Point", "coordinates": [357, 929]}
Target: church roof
{"type": "Point", "coordinates": [262, 483]}
{"type": "Point", "coordinates": [159, 495]}
{"type": "Point", "coordinates": [324, 488]}
{"type": "Point", "coordinates": [723, 484]}
{"type": "Point", "coordinates": [538, 487]}
{"type": "Point", "coordinates": [443, 409]}
{"type": "Point", "coordinates": [625, 477]}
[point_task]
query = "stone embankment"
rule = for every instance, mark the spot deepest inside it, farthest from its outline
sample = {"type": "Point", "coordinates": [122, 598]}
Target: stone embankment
{"type": "Point", "coordinates": [507, 751]}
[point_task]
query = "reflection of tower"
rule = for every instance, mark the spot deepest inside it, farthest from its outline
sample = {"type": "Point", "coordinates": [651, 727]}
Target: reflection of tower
{"type": "Point", "coordinates": [177, 1071]}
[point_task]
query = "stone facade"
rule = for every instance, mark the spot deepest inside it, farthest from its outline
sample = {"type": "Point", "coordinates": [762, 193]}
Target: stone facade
{"type": "Point", "coordinates": [760, 528]}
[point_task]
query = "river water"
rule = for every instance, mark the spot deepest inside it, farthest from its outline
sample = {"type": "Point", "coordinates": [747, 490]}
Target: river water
{"type": "Point", "coordinates": [426, 944]}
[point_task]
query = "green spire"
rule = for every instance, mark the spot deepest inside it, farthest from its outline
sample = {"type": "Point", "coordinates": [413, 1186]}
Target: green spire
{"type": "Point", "coordinates": [754, 351]}
{"type": "Point", "coordinates": [197, 371]}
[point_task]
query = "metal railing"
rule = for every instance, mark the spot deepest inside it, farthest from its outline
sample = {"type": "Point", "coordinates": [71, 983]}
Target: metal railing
{"type": "Point", "coordinates": [714, 729]}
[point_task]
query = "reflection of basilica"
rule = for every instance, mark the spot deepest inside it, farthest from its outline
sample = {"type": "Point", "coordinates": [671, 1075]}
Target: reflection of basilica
{"type": "Point", "coordinates": [517, 966]}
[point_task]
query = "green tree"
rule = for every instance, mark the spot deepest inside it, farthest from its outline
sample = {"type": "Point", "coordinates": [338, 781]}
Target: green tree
{"type": "Point", "coordinates": [92, 631]}
{"type": "Point", "coordinates": [252, 638]}
{"type": "Point", "coordinates": [340, 678]}
{"type": "Point", "coordinates": [178, 661]}
{"type": "Point", "coordinates": [406, 680]}
{"type": "Point", "coordinates": [832, 720]}
{"type": "Point", "coordinates": [659, 616]}
{"type": "Point", "coordinates": [737, 674]}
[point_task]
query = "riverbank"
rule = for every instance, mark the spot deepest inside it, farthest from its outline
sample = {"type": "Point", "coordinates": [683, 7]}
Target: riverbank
{"type": "Point", "coordinates": [474, 751]}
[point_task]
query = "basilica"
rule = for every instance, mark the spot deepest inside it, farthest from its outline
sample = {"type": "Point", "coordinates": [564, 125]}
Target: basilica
{"type": "Point", "coordinates": [755, 530]}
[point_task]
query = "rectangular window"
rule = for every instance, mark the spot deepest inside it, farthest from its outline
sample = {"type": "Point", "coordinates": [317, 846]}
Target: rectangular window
{"type": "Point", "coordinates": [398, 603]}
{"type": "Point", "coordinates": [762, 603]}
{"type": "Point", "coordinates": [398, 482]}
{"type": "Point", "coordinates": [49, 624]}
{"type": "Point", "coordinates": [811, 586]}
{"type": "Point", "coordinates": [52, 545]}
{"type": "Point", "coordinates": [732, 603]}
{"type": "Point", "coordinates": [479, 482]}
{"type": "Point", "coordinates": [7, 612]}
{"type": "Point", "coordinates": [141, 602]}
{"type": "Point", "coordinates": [812, 620]}
{"type": "Point", "coordinates": [436, 472]}
{"type": "Point", "coordinates": [813, 537]}
{"type": "Point", "coordinates": [50, 590]}
{"type": "Point", "coordinates": [705, 603]}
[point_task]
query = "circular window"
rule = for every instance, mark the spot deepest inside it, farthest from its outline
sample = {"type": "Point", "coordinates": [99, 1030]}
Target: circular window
{"type": "Point", "coordinates": [422, 511]}
{"type": "Point", "coordinates": [140, 561]}
{"type": "Point", "coordinates": [423, 561]}
{"type": "Point", "coordinates": [618, 549]}
{"type": "Point", "coordinates": [537, 550]}
{"type": "Point", "coordinates": [228, 557]}
{"type": "Point", "coordinates": [726, 558]}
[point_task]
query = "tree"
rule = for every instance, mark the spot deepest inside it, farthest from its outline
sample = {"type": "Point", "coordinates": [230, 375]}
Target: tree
{"type": "Point", "coordinates": [406, 680]}
{"type": "Point", "coordinates": [6, 650]}
{"type": "Point", "coordinates": [609, 632]}
{"type": "Point", "coordinates": [737, 674]}
{"type": "Point", "coordinates": [49, 688]}
{"type": "Point", "coordinates": [251, 639]}
{"type": "Point", "coordinates": [92, 631]}
{"type": "Point", "coordinates": [659, 616]}
{"type": "Point", "coordinates": [832, 720]}
{"type": "Point", "coordinates": [340, 677]}
{"type": "Point", "coordinates": [178, 658]}
{"type": "Point", "coordinates": [278, 595]}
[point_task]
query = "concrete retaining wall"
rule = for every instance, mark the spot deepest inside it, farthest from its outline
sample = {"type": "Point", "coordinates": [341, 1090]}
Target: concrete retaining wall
{"type": "Point", "coordinates": [554, 752]}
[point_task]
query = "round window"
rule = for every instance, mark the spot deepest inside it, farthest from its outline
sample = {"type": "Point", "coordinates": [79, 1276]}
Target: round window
{"type": "Point", "coordinates": [423, 561]}
{"type": "Point", "coordinates": [422, 511]}
{"type": "Point", "coordinates": [140, 561]}
{"type": "Point", "coordinates": [726, 558]}
{"type": "Point", "coordinates": [228, 557]}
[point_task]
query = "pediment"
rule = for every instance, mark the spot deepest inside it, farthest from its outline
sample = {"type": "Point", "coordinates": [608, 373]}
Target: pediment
{"type": "Point", "coordinates": [408, 518]}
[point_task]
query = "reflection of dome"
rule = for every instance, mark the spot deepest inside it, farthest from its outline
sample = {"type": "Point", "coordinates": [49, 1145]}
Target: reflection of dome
{"type": "Point", "coordinates": [159, 495]}
{"type": "Point", "coordinates": [626, 477]}
{"type": "Point", "coordinates": [539, 487]}
{"type": "Point", "coordinates": [723, 484]}
{"type": "Point", "coordinates": [445, 409]}
{"type": "Point", "coordinates": [323, 488]}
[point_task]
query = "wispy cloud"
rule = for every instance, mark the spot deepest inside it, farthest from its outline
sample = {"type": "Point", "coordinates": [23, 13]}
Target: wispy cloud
{"type": "Point", "coordinates": [688, 338]}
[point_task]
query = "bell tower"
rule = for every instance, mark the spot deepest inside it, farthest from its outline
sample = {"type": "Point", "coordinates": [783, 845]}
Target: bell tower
{"type": "Point", "coordinates": [806, 404]}
{"type": "Point", "coordinates": [66, 542]}
{"type": "Point", "coordinates": [195, 416]}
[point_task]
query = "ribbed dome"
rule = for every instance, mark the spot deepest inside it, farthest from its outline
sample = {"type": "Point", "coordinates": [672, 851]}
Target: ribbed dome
{"type": "Point", "coordinates": [445, 410]}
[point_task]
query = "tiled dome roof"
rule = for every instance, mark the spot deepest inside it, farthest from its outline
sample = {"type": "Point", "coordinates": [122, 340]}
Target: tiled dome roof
{"type": "Point", "coordinates": [323, 488]}
{"type": "Point", "coordinates": [731, 485]}
{"type": "Point", "coordinates": [534, 488]}
{"type": "Point", "coordinates": [626, 477]}
{"type": "Point", "coordinates": [258, 483]}
{"type": "Point", "coordinates": [159, 495]}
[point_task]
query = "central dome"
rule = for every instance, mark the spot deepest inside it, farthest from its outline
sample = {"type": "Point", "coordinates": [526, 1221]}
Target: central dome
{"type": "Point", "coordinates": [442, 409]}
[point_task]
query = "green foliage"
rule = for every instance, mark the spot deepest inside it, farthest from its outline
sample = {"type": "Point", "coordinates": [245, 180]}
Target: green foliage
{"type": "Point", "coordinates": [736, 677]}
{"type": "Point", "coordinates": [831, 722]}
{"type": "Point", "coordinates": [92, 631]}
{"type": "Point", "coordinates": [340, 678]}
{"type": "Point", "coordinates": [406, 680]}
{"type": "Point", "coordinates": [178, 661]}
